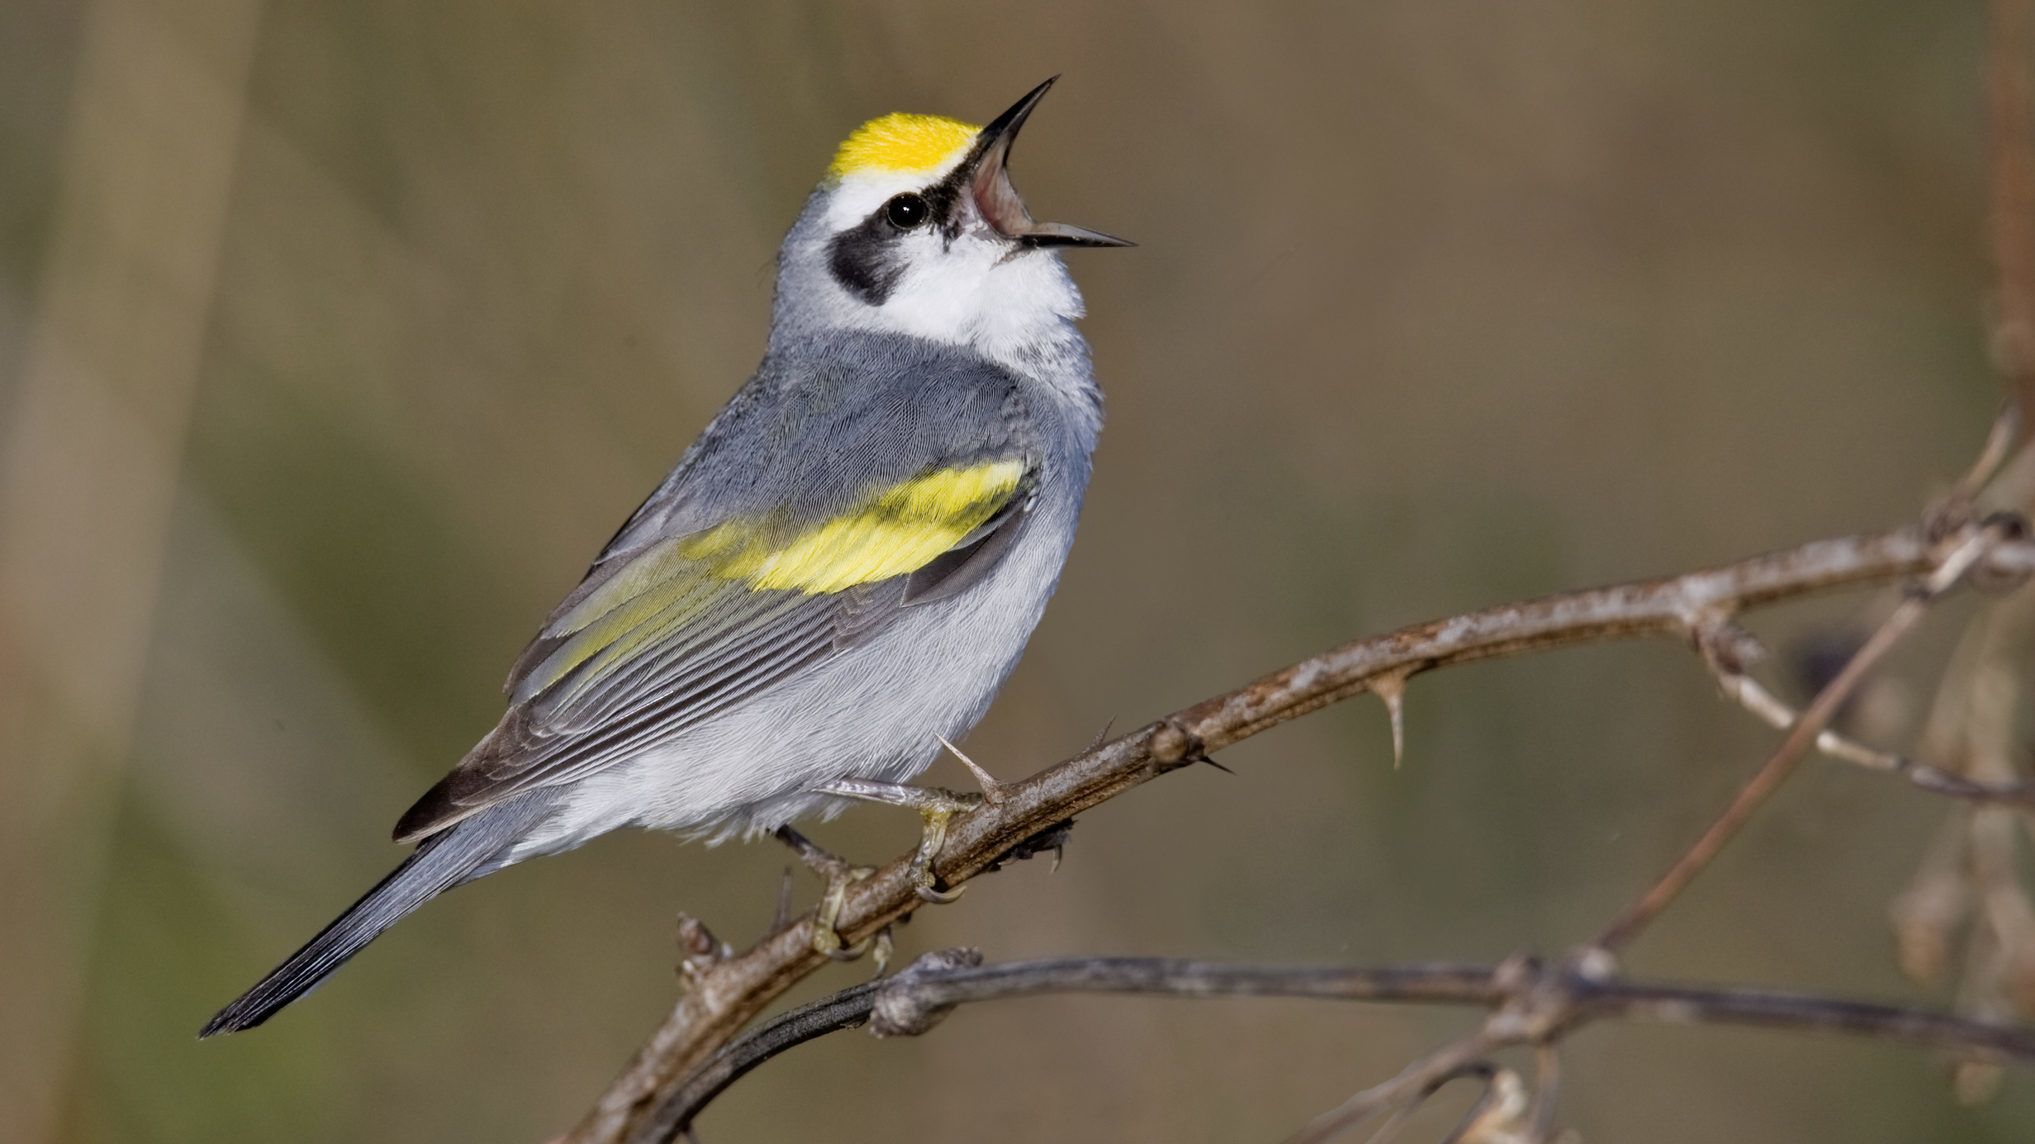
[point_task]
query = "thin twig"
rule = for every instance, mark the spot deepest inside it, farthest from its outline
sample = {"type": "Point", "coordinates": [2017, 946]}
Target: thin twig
{"type": "Point", "coordinates": [913, 1001]}
{"type": "Point", "coordinates": [1749, 693]}
{"type": "Point", "coordinates": [844, 1010]}
{"type": "Point", "coordinates": [1547, 1089]}
{"type": "Point", "coordinates": [2001, 445]}
{"type": "Point", "coordinates": [1499, 1102]}
{"type": "Point", "coordinates": [729, 994]}
{"type": "Point", "coordinates": [1500, 1114]}
{"type": "Point", "coordinates": [1401, 1092]}
{"type": "Point", "coordinates": [1779, 765]}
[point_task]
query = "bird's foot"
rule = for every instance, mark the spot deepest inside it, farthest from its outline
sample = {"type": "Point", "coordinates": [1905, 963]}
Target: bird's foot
{"type": "Point", "coordinates": [936, 809]}
{"type": "Point", "coordinates": [837, 874]}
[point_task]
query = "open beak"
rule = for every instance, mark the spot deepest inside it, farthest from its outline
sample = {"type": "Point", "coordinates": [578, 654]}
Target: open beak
{"type": "Point", "coordinates": [998, 201]}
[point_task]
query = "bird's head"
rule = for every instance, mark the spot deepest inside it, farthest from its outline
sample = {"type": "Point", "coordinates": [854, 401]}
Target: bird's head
{"type": "Point", "coordinates": [917, 229]}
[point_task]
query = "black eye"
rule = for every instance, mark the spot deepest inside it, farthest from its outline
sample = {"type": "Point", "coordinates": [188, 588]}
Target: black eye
{"type": "Point", "coordinates": [907, 211]}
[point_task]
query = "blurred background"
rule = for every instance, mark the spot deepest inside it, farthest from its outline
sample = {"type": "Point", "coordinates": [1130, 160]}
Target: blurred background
{"type": "Point", "coordinates": [336, 336]}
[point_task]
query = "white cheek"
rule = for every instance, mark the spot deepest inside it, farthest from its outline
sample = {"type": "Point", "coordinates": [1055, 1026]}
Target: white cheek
{"type": "Point", "coordinates": [973, 294]}
{"type": "Point", "coordinates": [940, 290]}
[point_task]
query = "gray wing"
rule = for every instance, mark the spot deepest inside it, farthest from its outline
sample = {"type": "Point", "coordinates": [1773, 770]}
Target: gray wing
{"type": "Point", "coordinates": [797, 477]}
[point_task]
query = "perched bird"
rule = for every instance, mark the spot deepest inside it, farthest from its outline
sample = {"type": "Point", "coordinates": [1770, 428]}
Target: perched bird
{"type": "Point", "coordinates": [836, 577]}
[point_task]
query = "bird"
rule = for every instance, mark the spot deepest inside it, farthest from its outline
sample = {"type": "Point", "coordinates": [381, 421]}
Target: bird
{"type": "Point", "coordinates": [837, 576]}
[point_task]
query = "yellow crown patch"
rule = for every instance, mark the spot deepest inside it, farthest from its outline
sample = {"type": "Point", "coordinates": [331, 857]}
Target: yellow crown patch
{"type": "Point", "coordinates": [901, 143]}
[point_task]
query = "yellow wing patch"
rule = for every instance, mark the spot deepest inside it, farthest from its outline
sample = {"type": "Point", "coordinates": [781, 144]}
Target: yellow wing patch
{"type": "Point", "coordinates": [898, 531]}
{"type": "Point", "coordinates": [679, 579]}
{"type": "Point", "coordinates": [903, 144]}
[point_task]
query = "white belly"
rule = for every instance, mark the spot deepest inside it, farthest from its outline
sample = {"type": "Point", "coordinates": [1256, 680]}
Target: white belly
{"type": "Point", "coordinates": [876, 712]}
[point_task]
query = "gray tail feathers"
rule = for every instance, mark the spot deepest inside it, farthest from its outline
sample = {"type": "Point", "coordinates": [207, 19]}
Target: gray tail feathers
{"type": "Point", "coordinates": [442, 861]}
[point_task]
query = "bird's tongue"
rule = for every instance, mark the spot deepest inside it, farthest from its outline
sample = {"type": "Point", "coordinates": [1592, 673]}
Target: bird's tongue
{"type": "Point", "coordinates": [996, 198]}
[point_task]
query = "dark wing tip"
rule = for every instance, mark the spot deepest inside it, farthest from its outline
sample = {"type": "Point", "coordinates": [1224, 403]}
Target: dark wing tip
{"type": "Point", "coordinates": [448, 801]}
{"type": "Point", "coordinates": [221, 1022]}
{"type": "Point", "coordinates": [470, 787]}
{"type": "Point", "coordinates": [438, 809]}
{"type": "Point", "coordinates": [245, 1013]}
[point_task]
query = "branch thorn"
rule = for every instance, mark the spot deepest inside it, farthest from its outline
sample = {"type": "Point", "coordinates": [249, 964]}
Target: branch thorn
{"type": "Point", "coordinates": [1392, 689]}
{"type": "Point", "coordinates": [992, 790]}
{"type": "Point", "coordinates": [1102, 736]}
{"type": "Point", "coordinates": [781, 917]}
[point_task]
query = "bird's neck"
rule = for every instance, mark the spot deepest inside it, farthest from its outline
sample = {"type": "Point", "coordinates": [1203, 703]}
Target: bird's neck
{"type": "Point", "coordinates": [1019, 312]}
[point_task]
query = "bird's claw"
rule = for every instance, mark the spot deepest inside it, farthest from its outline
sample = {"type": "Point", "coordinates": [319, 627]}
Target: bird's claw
{"type": "Point", "coordinates": [839, 875]}
{"type": "Point", "coordinates": [826, 920]}
{"type": "Point", "coordinates": [936, 807]}
{"type": "Point", "coordinates": [936, 812]}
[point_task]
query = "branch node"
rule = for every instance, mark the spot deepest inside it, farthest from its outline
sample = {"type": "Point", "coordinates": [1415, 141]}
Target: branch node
{"type": "Point", "coordinates": [1174, 746]}
{"type": "Point", "coordinates": [1516, 975]}
{"type": "Point", "coordinates": [1594, 964]}
{"type": "Point", "coordinates": [1726, 646]}
{"type": "Point", "coordinates": [899, 1009]}
{"type": "Point", "coordinates": [1989, 576]}
{"type": "Point", "coordinates": [698, 949]}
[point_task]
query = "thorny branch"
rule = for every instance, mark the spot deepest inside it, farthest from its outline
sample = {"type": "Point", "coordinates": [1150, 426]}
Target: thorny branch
{"type": "Point", "coordinates": [695, 1053]}
{"type": "Point", "coordinates": [1723, 648]}
{"type": "Point", "coordinates": [724, 994]}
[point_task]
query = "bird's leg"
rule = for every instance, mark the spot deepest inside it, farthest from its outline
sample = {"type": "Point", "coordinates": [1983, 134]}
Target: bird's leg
{"type": "Point", "coordinates": [837, 875]}
{"type": "Point", "coordinates": [936, 808]}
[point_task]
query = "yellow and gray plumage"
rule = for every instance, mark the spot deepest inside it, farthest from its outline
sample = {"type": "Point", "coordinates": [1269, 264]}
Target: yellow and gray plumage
{"type": "Point", "coordinates": [839, 573]}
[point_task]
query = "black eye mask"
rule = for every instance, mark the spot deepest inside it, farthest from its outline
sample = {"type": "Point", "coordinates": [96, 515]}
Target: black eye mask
{"type": "Point", "coordinates": [866, 260]}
